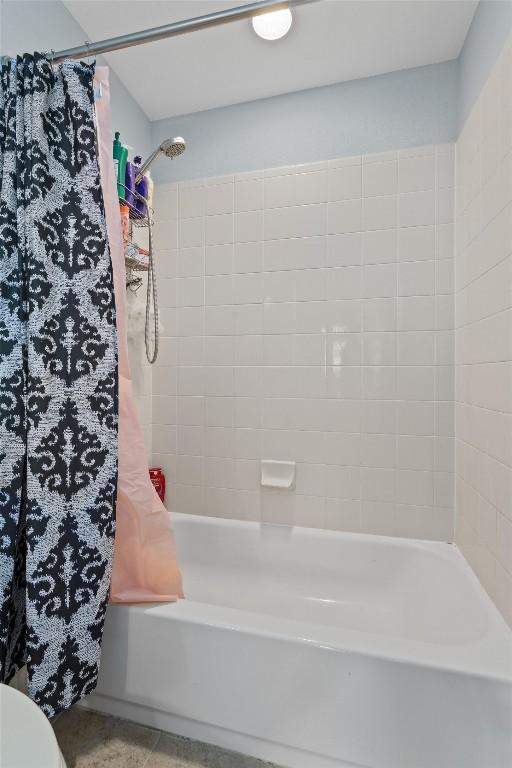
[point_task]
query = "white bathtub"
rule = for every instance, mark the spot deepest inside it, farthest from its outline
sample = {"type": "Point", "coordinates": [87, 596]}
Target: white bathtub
{"type": "Point", "coordinates": [315, 649]}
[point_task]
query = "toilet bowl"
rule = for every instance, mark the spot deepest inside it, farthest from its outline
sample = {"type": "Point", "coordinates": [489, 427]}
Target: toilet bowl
{"type": "Point", "coordinates": [27, 739]}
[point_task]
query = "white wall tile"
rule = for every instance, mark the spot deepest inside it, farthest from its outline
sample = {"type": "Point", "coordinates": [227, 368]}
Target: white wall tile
{"type": "Point", "coordinates": [414, 452]}
{"type": "Point", "coordinates": [416, 209]}
{"type": "Point", "coordinates": [379, 213]}
{"type": "Point", "coordinates": [344, 283]}
{"type": "Point", "coordinates": [416, 348]}
{"type": "Point", "coordinates": [380, 281]}
{"type": "Point", "coordinates": [189, 292]}
{"type": "Point", "coordinates": [166, 202]}
{"type": "Point", "coordinates": [416, 382]}
{"type": "Point", "coordinates": [309, 284]}
{"type": "Point", "coordinates": [247, 288]}
{"type": "Point", "coordinates": [379, 348]}
{"type": "Point", "coordinates": [249, 227]}
{"type": "Point", "coordinates": [380, 178]}
{"type": "Point", "coordinates": [378, 484]}
{"type": "Point", "coordinates": [342, 482]}
{"type": "Point", "coordinates": [379, 246]}
{"type": "Point", "coordinates": [191, 201]}
{"type": "Point", "coordinates": [343, 349]}
{"type": "Point", "coordinates": [218, 412]}
{"type": "Point", "coordinates": [311, 187]}
{"type": "Point", "coordinates": [344, 381]}
{"type": "Point", "coordinates": [344, 183]}
{"type": "Point", "coordinates": [445, 277]}
{"type": "Point", "coordinates": [219, 260]}
{"type": "Point", "coordinates": [190, 411]}
{"type": "Point", "coordinates": [189, 351]}
{"type": "Point", "coordinates": [379, 451]}
{"type": "Point", "coordinates": [248, 257]}
{"type": "Point", "coordinates": [219, 199]}
{"type": "Point", "coordinates": [379, 383]}
{"type": "Point", "coordinates": [380, 314]}
{"type": "Point", "coordinates": [416, 278]}
{"type": "Point", "coordinates": [187, 321]}
{"type": "Point", "coordinates": [248, 195]}
{"type": "Point", "coordinates": [309, 317]}
{"type": "Point", "coordinates": [218, 289]}
{"type": "Point", "coordinates": [344, 217]}
{"type": "Point", "coordinates": [417, 313]}
{"type": "Point", "coordinates": [294, 253]}
{"type": "Point", "coordinates": [414, 487]}
{"type": "Point", "coordinates": [335, 316]}
{"type": "Point", "coordinates": [417, 173]}
{"type": "Point", "coordinates": [296, 221]}
{"type": "Point", "coordinates": [190, 263]}
{"type": "Point", "coordinates": [418, 243]}
{"type": "Point", "coordinates": [415, 418]}
{"type": "Point", "coordinates": [219, 320]}
{"type": "Point", "coordinates": [219, 350]}
{"type": "Point", "coordinates": [343, 250]}
{"type": "Point", "coordinates": [279, 191]}
{"type": "Point", "coordinates": [167, 263]}
{"type": "Point", "coordinates": [379, 417]}
{"type": "Point", "coordinates": [219, 229]}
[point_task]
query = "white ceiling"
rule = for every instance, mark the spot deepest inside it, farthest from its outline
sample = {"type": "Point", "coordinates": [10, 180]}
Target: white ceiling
{"type": "Point", "coordinates": [330, 41]}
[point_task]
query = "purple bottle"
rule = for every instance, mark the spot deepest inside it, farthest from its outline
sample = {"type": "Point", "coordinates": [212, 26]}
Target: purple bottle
{"type": "Point", "coordinates": [141, 188]}
{"type": "Point", "coordinates": [129, 183]}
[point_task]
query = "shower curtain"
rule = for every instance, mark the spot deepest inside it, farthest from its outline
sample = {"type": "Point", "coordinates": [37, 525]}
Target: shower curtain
{"type": "Point", "coordinates": [58, 383]}
{"type": "Point", "coordinates": [145, 566]}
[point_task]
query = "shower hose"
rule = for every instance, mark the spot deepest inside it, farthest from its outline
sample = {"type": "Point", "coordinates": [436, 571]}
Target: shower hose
{"type": "Point", "coordinates": [151, 298]}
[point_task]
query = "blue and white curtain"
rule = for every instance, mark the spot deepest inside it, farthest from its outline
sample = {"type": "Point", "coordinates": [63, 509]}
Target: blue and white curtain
{"type": "Point", "coordinates": [58, 383]}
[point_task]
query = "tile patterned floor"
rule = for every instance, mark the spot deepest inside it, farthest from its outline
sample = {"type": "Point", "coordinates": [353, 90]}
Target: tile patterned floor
{"type": "Point", "coordinates": [92, 740]}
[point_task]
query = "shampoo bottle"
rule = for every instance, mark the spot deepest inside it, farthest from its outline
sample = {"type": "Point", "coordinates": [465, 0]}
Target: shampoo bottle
{"type": "Point", "coordinates": [142, 190]}
{"type": "Point", "coordinates": [129, 182]}
{"type": "Point", "coordinates": [120, 154]}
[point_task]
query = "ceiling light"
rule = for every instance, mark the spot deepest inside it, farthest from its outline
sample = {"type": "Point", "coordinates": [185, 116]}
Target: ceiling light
{"type": "Point", "coordinates": [272, 25]}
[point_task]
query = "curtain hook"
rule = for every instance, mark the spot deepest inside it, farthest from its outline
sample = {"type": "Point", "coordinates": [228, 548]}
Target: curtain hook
{"type": "Point", "coordinates": [89, 55]}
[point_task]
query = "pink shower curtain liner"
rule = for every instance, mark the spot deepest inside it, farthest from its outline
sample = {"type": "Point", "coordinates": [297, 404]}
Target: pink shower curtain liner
{"type": "Point", "coordinates": [145, 566]}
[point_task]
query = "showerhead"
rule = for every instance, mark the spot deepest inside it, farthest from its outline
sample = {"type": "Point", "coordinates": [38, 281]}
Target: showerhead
{"type": "Point", "coordinates": [170, 148]}
{"type": "Point", "coordinates": [173, 147]}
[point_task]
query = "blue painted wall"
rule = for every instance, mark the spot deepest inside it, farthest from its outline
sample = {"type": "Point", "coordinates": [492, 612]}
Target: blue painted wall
{"type": "Point", "coordinates": [491, 25]}
{"type": "Point", "coordinates": [41, 25]}
{"type": "Point", "coordinates": [400, 109]}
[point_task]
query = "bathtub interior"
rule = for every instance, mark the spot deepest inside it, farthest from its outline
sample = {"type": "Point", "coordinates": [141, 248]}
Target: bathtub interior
{"type": "Point", "coordinates": [409, 599]}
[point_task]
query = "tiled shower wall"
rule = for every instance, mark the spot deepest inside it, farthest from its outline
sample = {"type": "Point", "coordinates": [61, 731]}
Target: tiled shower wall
{"type": "Point", "coordinates": [308, 316]}
{"type": "Point", "coordinates": [484, 336]}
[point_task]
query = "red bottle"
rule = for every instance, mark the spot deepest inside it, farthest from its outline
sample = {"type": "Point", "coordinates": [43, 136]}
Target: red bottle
{"type": "Point", "coordinates": [158, 479]}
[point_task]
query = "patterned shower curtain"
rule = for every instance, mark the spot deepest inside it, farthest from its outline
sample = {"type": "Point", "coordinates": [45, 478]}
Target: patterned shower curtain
{"type": "Point", "coordinates": [58, 383]}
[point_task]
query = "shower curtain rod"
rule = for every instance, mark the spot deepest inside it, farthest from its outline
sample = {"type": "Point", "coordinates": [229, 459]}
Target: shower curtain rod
{"type": "Point", "coordinates": [175, 28]}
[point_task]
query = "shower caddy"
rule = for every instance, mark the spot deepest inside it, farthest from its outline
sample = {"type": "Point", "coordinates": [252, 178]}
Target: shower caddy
{"type": "Point", "coordinates": [144, 219]}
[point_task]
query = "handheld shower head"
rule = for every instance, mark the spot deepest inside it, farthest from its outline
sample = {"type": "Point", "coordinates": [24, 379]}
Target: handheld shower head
{"type": "Point", "coordinates": [169, 147]}
{"type": "Point", "coordinates": [173, 147]}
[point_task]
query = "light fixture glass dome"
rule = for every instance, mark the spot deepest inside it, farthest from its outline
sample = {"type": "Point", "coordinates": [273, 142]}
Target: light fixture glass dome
{"type": "Point", "coordinates": [272, 25]}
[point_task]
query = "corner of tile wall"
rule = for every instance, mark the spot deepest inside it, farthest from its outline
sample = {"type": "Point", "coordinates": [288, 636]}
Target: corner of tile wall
{"type": "Point", "coordinates": [483, 267]}
{"type": "Point", "coordinates": [308, 316]}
